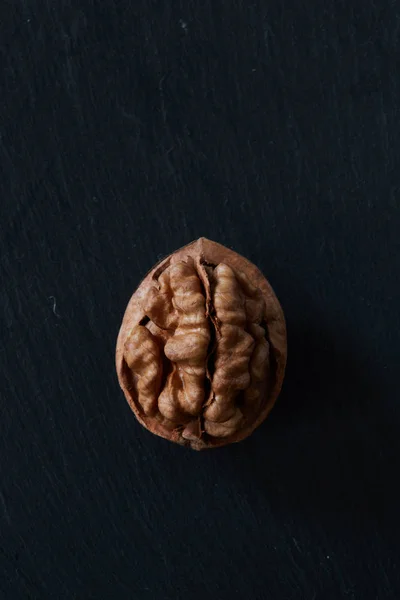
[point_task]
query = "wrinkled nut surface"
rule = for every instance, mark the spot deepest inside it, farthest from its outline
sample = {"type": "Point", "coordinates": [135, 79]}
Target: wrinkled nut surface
{"type": "Point", "coordinates": [201, 352]}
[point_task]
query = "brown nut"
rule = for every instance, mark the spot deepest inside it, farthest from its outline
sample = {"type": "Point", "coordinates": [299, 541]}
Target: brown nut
{"type": "Point", "coordinates": [201, 352]}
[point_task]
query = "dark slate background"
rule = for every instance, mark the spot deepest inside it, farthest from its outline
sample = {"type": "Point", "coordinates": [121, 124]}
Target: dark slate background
{"type": "Point", "coordinates": [128, 129]}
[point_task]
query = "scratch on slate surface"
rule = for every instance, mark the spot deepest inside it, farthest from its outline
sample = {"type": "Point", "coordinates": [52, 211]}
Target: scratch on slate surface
{"type": "Point", "coordinates": [55, 306]}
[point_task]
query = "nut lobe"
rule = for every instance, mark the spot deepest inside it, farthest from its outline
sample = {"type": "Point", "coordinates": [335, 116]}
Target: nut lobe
{"type": "Point", "coordinates": [201, 352]}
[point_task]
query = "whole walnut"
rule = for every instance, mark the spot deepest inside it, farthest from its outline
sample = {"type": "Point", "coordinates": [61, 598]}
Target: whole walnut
{"type": "Point", "coordinates": [201, 352]}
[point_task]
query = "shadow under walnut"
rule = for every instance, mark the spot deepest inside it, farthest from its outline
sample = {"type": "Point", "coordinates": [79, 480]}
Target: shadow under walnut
{"type": "Point", "coordinates": [201, 352]}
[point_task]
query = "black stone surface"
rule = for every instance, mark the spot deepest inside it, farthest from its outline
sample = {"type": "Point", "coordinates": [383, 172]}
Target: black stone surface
{"type": "Point", "coordinates": [128, 129]}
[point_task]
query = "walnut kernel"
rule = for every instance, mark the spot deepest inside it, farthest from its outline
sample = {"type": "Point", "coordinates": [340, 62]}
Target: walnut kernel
{"type": "Point", "coordinates": [201, 352]}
